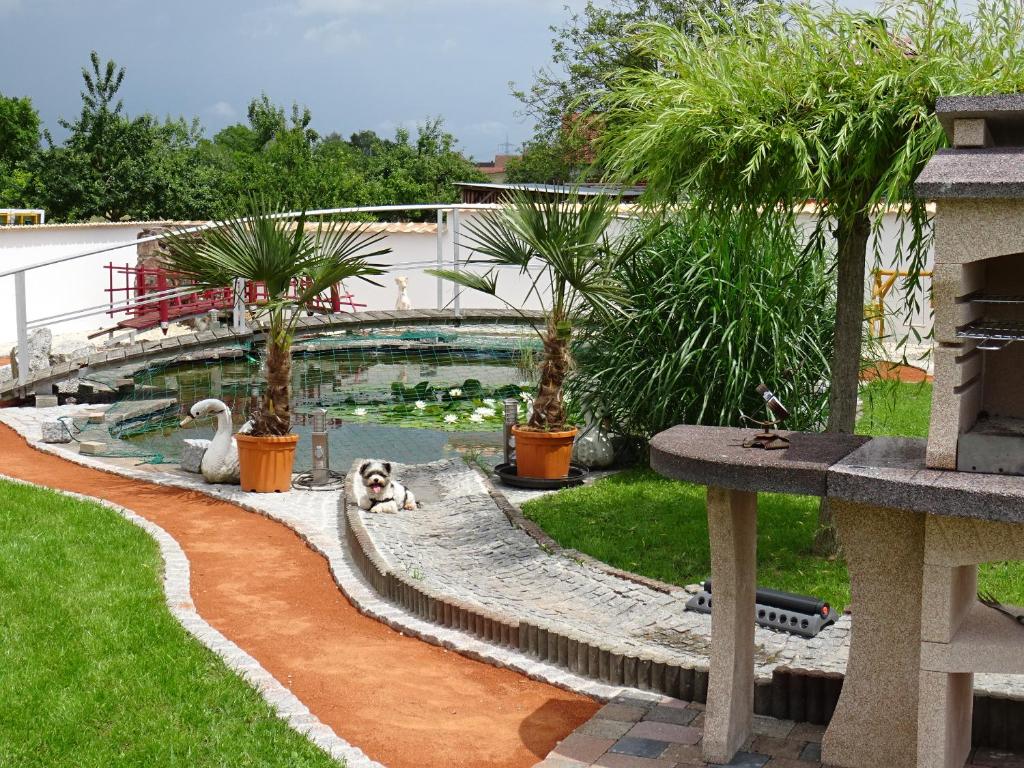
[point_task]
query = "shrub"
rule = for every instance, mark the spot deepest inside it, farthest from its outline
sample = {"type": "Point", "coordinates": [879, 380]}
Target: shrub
{"type": "Point", "coordinates": [717, 305]}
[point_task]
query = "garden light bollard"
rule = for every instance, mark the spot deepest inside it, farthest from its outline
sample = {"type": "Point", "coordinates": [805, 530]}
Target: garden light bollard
{"type": "Point", "coordinates": [321, 448]}
{"type": "Point", "coordinates": [511, 420]}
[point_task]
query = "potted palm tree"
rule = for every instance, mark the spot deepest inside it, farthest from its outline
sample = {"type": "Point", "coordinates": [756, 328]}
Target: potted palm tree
{"type": "Point", "coordinates": [296, 263]}
{"type": "Point", "coordinates": [567, 247]}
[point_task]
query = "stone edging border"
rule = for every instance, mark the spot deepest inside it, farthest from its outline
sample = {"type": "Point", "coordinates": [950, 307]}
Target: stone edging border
{"type": "Point", "coordinates": [176, 586]}
{"type": "Point", "coordinates": [555, 645]}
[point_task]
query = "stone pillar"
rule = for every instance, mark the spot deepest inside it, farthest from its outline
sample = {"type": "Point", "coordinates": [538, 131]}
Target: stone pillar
{"type": "Point", "coordinates": [875, 722]}
{"type": "Point", "coordinates": [732, 529]}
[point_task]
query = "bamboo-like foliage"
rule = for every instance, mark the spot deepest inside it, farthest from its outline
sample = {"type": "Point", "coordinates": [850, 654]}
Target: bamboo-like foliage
{"type": "Point", "coordinates": [716, 305]}
{"type": "Point", "coordinates": [789, 101]}
{"type": "Point", "coordinates": [562, 246]}
{"type": "Point", "coordinates": [264, 246]}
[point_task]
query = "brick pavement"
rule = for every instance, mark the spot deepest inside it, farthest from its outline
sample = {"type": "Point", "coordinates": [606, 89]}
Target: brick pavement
{"type": "Point", "coordinates": [638, 732]}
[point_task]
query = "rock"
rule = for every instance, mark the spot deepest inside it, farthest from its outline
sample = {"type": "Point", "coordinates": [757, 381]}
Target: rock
{"type": "Point", "coordinates": [68, 386]}
{"type": "Point", "coordinates": [46, 401]}
{"type": "Point", "coordinates": [55, 432]}
{"type": "Point", "coordinates": [39, 343]}
{"type": "Point", "coordinates": [96, 417]}
{"type": "Point", "coordinates": [68, 349]}
{"type": "Point", "coordinates": [6, 373]}
{"type": "Point", "coordinates": [91, 448]}
{"type": "Point", "coordinates": [192, 455]}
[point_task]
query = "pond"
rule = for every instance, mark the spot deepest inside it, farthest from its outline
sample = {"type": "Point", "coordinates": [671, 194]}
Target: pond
{"type": "Point", "coordinates": [402, 400]}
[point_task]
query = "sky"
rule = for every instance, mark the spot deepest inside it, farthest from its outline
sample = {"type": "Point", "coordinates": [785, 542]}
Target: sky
{"type": "Point", "coordinates": [357, 64]}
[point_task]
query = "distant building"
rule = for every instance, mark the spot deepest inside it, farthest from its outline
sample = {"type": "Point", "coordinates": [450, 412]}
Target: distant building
{"type": "Point", "coordinates": [19, 217]}
{"type": "Point", "coordinates": [483, 193]}
{"type": "Point", "coordinates": [495, 169]}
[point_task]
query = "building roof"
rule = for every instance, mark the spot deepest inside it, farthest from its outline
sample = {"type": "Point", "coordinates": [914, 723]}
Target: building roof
{"type": "Point", "coordinates": [583, 190]}
{"type": "Point", "coordinates": [496, 166]}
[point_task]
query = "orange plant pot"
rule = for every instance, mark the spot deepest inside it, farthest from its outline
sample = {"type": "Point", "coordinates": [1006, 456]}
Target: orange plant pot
{"type": "Point", "coordinates": [543, 454]}
{"type": "Point", "coordinates": [265, 463]}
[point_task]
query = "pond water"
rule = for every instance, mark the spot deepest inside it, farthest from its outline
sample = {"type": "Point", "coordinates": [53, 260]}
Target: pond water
{"type": "Point", "coordinates": [405, 403]}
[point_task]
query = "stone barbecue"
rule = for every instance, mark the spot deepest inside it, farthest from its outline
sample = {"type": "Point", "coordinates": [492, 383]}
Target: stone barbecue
{"type": "Point", "coordinates": [977, 418]}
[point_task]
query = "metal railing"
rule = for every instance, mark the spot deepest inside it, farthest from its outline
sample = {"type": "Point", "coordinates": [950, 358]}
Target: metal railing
{"type": "Point", "coordinates": [448, 234]}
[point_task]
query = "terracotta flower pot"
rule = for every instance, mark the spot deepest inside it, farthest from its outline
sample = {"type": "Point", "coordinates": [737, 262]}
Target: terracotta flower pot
{"type": "Point", "coordinates": [543, 454]}
{"type": "Point", "coordinates": [265, 463]}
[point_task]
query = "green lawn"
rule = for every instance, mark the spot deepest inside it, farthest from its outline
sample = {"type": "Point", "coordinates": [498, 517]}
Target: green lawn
{"type": "Point", "coordinates": [644, 523]}
{"type": "Point", "coordinates": [94, 670]}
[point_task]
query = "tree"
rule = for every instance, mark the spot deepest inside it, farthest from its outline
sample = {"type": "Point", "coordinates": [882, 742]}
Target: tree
{"type": "Point", "coordinates": [787, 102]}
{"type": "Point", "coordinates": [19, 144]}
{"type": "Point", "coordinates": [557, 161]}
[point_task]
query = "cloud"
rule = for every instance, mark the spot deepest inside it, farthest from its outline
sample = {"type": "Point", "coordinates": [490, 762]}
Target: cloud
{"type": "Point", "coordinates": [334, 35]}
{"type": "Point", "coordinates": [222, 109]}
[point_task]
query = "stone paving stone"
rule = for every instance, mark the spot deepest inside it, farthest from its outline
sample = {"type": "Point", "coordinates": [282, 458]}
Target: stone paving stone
{"type": "Point", "coordinates": [768, 726]}
{"type": "Point", "coordinates": [639, 747]}
{"type": "Point", "coordinates": [676, 734]}
{"type": "Point", "coordinates": [745, 760]}
{"type": "Point", "coordinates": [623, 712]}
{"type": "Point", "coordinates": [675, 715]}
{"type": "Point", "coordinates": [769, 745]}
{"type": "Point", "coordinates": [685, 754]}
{"type": "Point", "coordinates": [614, 760]}
{"type": "Point", "coordinates": [811, 752]}
{"type": "Point", "coordinates": [785, 762]}
{"type": "Point", "coordinates": [584, 748]}
{"type": "Point", "coordinates": [605, 729]}
{"type": "Point", "coordinates": [807, 732]}
{"type": "Point", "coordinates": [994, 758]}
{"type": "Point", "coordinates": [556, 761]}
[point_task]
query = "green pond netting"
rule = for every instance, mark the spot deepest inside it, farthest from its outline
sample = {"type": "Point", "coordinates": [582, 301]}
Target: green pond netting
{"type": "Point", "coordinates": [411, 395]}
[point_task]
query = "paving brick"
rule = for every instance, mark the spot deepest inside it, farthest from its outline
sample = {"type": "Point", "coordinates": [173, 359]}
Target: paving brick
{"type": "Point", "coordinates": [556, 761]}
{"type": "Point", "coordinates": [675, 734]}
{"type": "Point", "coordinates": [639, 747]}
{"type": "Point", "coordinates": [604, 729]}
{"type": "Point", "coordinates": [807, 732]}
{"type": "Point", "coordinates": [811, 752]}
{"type": "Point", "coordinates": [745, 760]}
{"type": "Point", "coordinates": [769, 745]}
{"type": "Point", "coordinates": [613, 760]}
{"type": "Point", "coordinates": [621, 712]}
{"type": "Point", "coordinates": [770, 726]}
{"type": "Point", "coordinates": [584, 748]}
{"type": "Point", "coordinates": [685, 754]}
{"type": "Point", "coordinates": [995, 758]}
{"type": "Point", "coordinates": [675, 715]}
{"type": "Point", "coordinates": [785, 762]}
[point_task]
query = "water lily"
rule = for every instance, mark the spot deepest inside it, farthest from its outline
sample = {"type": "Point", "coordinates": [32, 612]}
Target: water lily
{"type": "Point", "coordinates": [455, 392]}
{"type": "Point", "coordinates": [420, 404]}
{"type": "Point", "coordinates": [489, 402]}
{"type": "Point", "coordinates": [476, 417]}
{"type": "Point", "coordinates": [484, 412]}
{"type": "Point", "coordinates": [359, 412]}
{"type": "Point", "coordinates": [451, 418]}
{"type": "Point", "coordinates": [526, 397]}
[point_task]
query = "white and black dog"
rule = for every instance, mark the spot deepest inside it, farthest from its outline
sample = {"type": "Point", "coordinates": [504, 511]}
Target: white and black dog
{"type": "Point", "coordinates": [376, 491]}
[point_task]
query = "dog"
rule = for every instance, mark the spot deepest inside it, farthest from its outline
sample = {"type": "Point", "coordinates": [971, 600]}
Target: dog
{"type": "Point", "coordinates": [404, 302]}
{"type": "Point", "coordinates": [376, 491]}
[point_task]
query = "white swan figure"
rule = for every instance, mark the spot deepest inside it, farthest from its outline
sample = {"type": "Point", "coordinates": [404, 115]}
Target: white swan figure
{"type": "Point", "coordinates": [220, 462]}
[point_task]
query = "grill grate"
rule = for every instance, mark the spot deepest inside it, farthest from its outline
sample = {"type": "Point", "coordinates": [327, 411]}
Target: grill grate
{"type": "Point", "coordinates": [980, 298]}
{"type": "Point", "coordinates": [993, 330]}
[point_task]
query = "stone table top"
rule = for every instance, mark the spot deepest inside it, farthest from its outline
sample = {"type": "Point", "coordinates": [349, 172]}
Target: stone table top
{"type": "Point", "coordinates": [716, 456]}
{"type": "Point", "coordinates": [891, 472]}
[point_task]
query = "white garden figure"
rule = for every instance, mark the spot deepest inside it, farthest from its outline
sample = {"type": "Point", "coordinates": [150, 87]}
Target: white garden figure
{"type": "Point", "coordinates": [220, 462]}
{"type": "Point", "coordinates": [404, 302]}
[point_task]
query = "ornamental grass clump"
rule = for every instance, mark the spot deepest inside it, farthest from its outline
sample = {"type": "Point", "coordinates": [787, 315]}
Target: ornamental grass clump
{"type": "Point", "coordinates": [715, 305]}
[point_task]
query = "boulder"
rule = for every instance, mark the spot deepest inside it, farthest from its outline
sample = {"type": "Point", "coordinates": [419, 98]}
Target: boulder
{"type": "Point", "coordinates": [192, 455]}
{"type": "Point", "coordinates": [6, 373]}
{"type": "Point", "coordinates": [39, 342]}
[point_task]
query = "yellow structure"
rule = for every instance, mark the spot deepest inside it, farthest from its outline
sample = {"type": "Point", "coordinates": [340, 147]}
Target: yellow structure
{"type": "Point", "coordinates": [17, 217]}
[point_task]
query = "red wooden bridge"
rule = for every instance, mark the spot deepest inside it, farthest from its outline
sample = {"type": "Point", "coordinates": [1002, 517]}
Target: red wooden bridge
{"type": "Point", "coordinates": [151, 297]}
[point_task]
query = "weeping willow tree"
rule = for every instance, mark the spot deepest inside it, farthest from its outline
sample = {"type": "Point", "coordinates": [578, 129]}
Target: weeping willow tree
{"type": "Point", "coordinates": [789, 103]}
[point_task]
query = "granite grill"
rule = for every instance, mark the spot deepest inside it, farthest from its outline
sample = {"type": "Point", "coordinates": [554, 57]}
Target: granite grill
{"type": "Point", "coordinates": [977, 418]}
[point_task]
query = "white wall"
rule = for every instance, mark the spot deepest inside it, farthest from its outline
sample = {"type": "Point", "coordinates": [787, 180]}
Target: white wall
{"type": "Point", "coordinates": [81, 283]}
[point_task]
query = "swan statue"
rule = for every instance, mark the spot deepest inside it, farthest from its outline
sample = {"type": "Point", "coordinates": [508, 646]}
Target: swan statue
{"type": "Point", "coordinates": [220, 460]}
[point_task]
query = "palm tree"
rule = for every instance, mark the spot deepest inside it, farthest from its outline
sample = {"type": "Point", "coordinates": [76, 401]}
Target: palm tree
{"type": "Point", "coordinates": [265, 246]}
{"type": "Point", "coordinates": [564, 245]}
